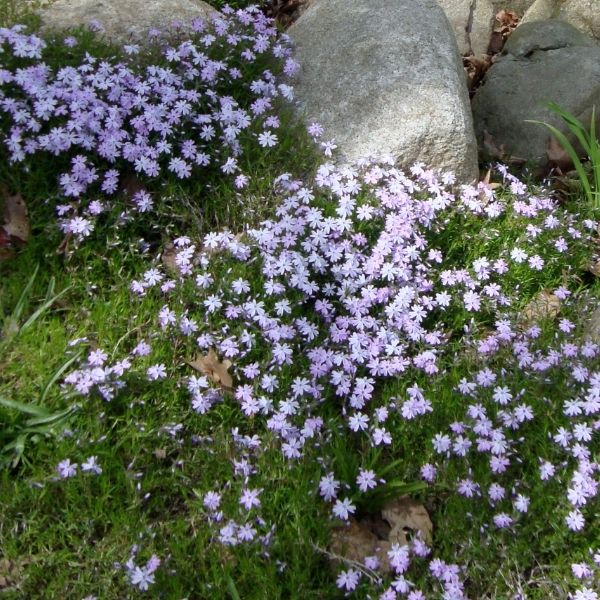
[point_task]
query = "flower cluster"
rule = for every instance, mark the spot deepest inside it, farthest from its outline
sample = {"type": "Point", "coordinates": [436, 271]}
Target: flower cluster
{"type": "Point", "coordinates": [95, 374]}
{"type": "Point", "coordinates": [510, 391]}
{"type": "Point", "coordinates": [113, 119]}
{"type": "Point", "coordinates": [67, 469]}
{"type": "Point", "coordinates": [349, 287]}
{"type": "Point", "coordinates": [141, 577]}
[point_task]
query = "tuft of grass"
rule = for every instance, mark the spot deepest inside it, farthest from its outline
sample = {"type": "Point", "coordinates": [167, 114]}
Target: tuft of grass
{"type": "Point", "coordinates": [590, 144]}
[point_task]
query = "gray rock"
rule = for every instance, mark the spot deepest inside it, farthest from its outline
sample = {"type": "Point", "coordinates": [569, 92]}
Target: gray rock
{"type": "Point", "coordinates": [583, 14]}
{"type": "Point", "coordinates": [541, 10]}
{"type": "Point", "coordinates": [472, 22]}
{"type": "Point", "coordinates": [592, 329]}
{"type": "Point", "coordinates": [385, 76]}
{"type": "Point", "coordinates": [542, 61]}
{"type": "Point", "coordinates": [543, 36]}
{"type": "Point", "coordinates": [123, 20]}
{"type": "Point", "coordinates": [518, 6]}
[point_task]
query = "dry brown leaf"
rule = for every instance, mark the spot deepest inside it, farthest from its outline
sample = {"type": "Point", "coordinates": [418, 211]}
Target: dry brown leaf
{"type": "Point", "coordinates": [214, 369]}
{"type": "Point", "coordinates": [487, 181]}
{"type": "Point", "coordinates": [594, 267]}
{"type": "Point", "coordinates": [499, 152]}
{"type": "Point", "coordinates": [476, 67]}
{"type": "Point", "coordinates": [10, 574]}
{"type": "Point", "coordinates": [131, 185]}
{"type": "Point", "coordinates": [286, 12]}
{"type": "Point", "coordinates": [354, 541]}
{"type": "Point", "coordinates": [506, 19]}
{"type": "Point", "coordinates": [496, 43]}
{"type": "Point", "coordinates": [558, 157]}
{"type": "Point", "coordinates": [168, 258]}
{"type": "Point", "coordinates": [490, 146]}
{"type": "Point", "coordinates": [406, 515]}
{"type": "Point", "coordinates": [506, 22]}
{"type": "Point", "coordinates": [374, 536]}
{"type": "Point", "coordinates": [6, 246]}
{"type": "Point", "coordinates": [16, 219]}
{"type": "Point", "coordinates": [544, 305]}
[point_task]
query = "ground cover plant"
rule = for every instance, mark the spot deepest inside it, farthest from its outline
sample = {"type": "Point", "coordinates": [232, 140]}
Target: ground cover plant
{"type": "Point", "coordinates": [209, 369]}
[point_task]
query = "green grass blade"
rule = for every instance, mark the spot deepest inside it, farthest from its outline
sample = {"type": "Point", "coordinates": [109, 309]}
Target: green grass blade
{"type": "Point", "coordinates": [575, 126]}
{"type": "Point", "coordinates": [40, 311]}
{"type": "Point", "coordinates": [390, 467]}
{"type": "Point", "coordinates": [232, 589]}
{"type": "Point", "coordinates": [401, 487]}
{"type": "Point", "coordinates": [10, 326]}
{"type": "Point", "coordinates": [52, 419]}
{"type": "Point", "coordinates": [568, 148]}
{"type": "Point", "coordinates": [57, 375]}
{"type": "Point", "coordinates": [23, 298]}
{"type": "Point", "coordinates": [594, 156]}
{"type": "Point", "coordinates": [30, 409]}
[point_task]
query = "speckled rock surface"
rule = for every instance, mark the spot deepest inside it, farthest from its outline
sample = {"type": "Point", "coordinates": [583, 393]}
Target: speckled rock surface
{"type": "Point", "coordinates": [124, 20]}
{"type": "Point", "coordinates": [472, 23]}
{"type": "Point", "coordinates": [386, 77]}
{"type": "Point", "coordinates": [518, 6]}
{"type": "Point", "coordinates": [583, 14]}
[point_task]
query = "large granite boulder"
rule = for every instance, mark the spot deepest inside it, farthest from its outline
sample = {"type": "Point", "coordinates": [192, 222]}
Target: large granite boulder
{"type": "Point", "coordinates": [385, 76]}
{"type": "Point", "coordinates": [124, 20]}
{"type": "Point", "coordinates": [583, 14]}
{"type": "Point", "coordinates": [518, 6]}
{"type": "Point", "coordinates": [472, 22]}
{"type": "Point", "coordinates": [542, 61]}
{"type": "Point", "coordinates": [541, 10]}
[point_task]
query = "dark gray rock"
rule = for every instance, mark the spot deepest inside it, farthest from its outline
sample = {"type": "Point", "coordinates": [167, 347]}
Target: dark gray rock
{"type": "Point", "coordinates": [542, 61]}
{"type": "Point", "coordinates": [545, 35]}
{"type": "Point", "coordinates": [385, 77]}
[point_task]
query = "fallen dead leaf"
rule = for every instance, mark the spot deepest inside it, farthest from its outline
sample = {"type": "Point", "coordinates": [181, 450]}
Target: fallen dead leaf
{"type": "Point", "coordinates": [490, 145]}
{"type": "Point", "coordinates": [6, 246]}
{"type": "Point", "coordinates": [131, 185]}
{"type": "Point", "coordinates": [499, 152]}
{"type": "Point", "coordinates": [286, 12]}
{"type": "Point", "coordinates": [496, 43]}
{"type": "Point", "coordinates": [544, 305]}
{"type": "Point", "coordinates": [397, 522]}
{"type": "Point", "coordinates": [354, 541]}
{"type": "Point", "coordinates": [487, 181]}
{"type": "Point", "coordinates": [558, 157]}
{"type": "Point", "coordinates": [11, 574]}
{"type": "Point", "coordinates": [404, 516]}
{"type": "Point", "coordinates": [214, 369]}
{"type": "Point", "coordinates": [63, 247]}
{"type": "Point", "coordinates": [506, 22]}
{"type": "Point", "coordinates": [168, 259]}
{"type": "Point", "coordinates": [594, 267]}
{"type": "Point", "coordinates": [476, 67]}
{"type": "Point", "coordinates": [16, 219]}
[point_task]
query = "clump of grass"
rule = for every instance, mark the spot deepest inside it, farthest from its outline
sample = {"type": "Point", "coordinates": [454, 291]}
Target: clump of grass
{"type": "Point", "coordinates": [588, 141]}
